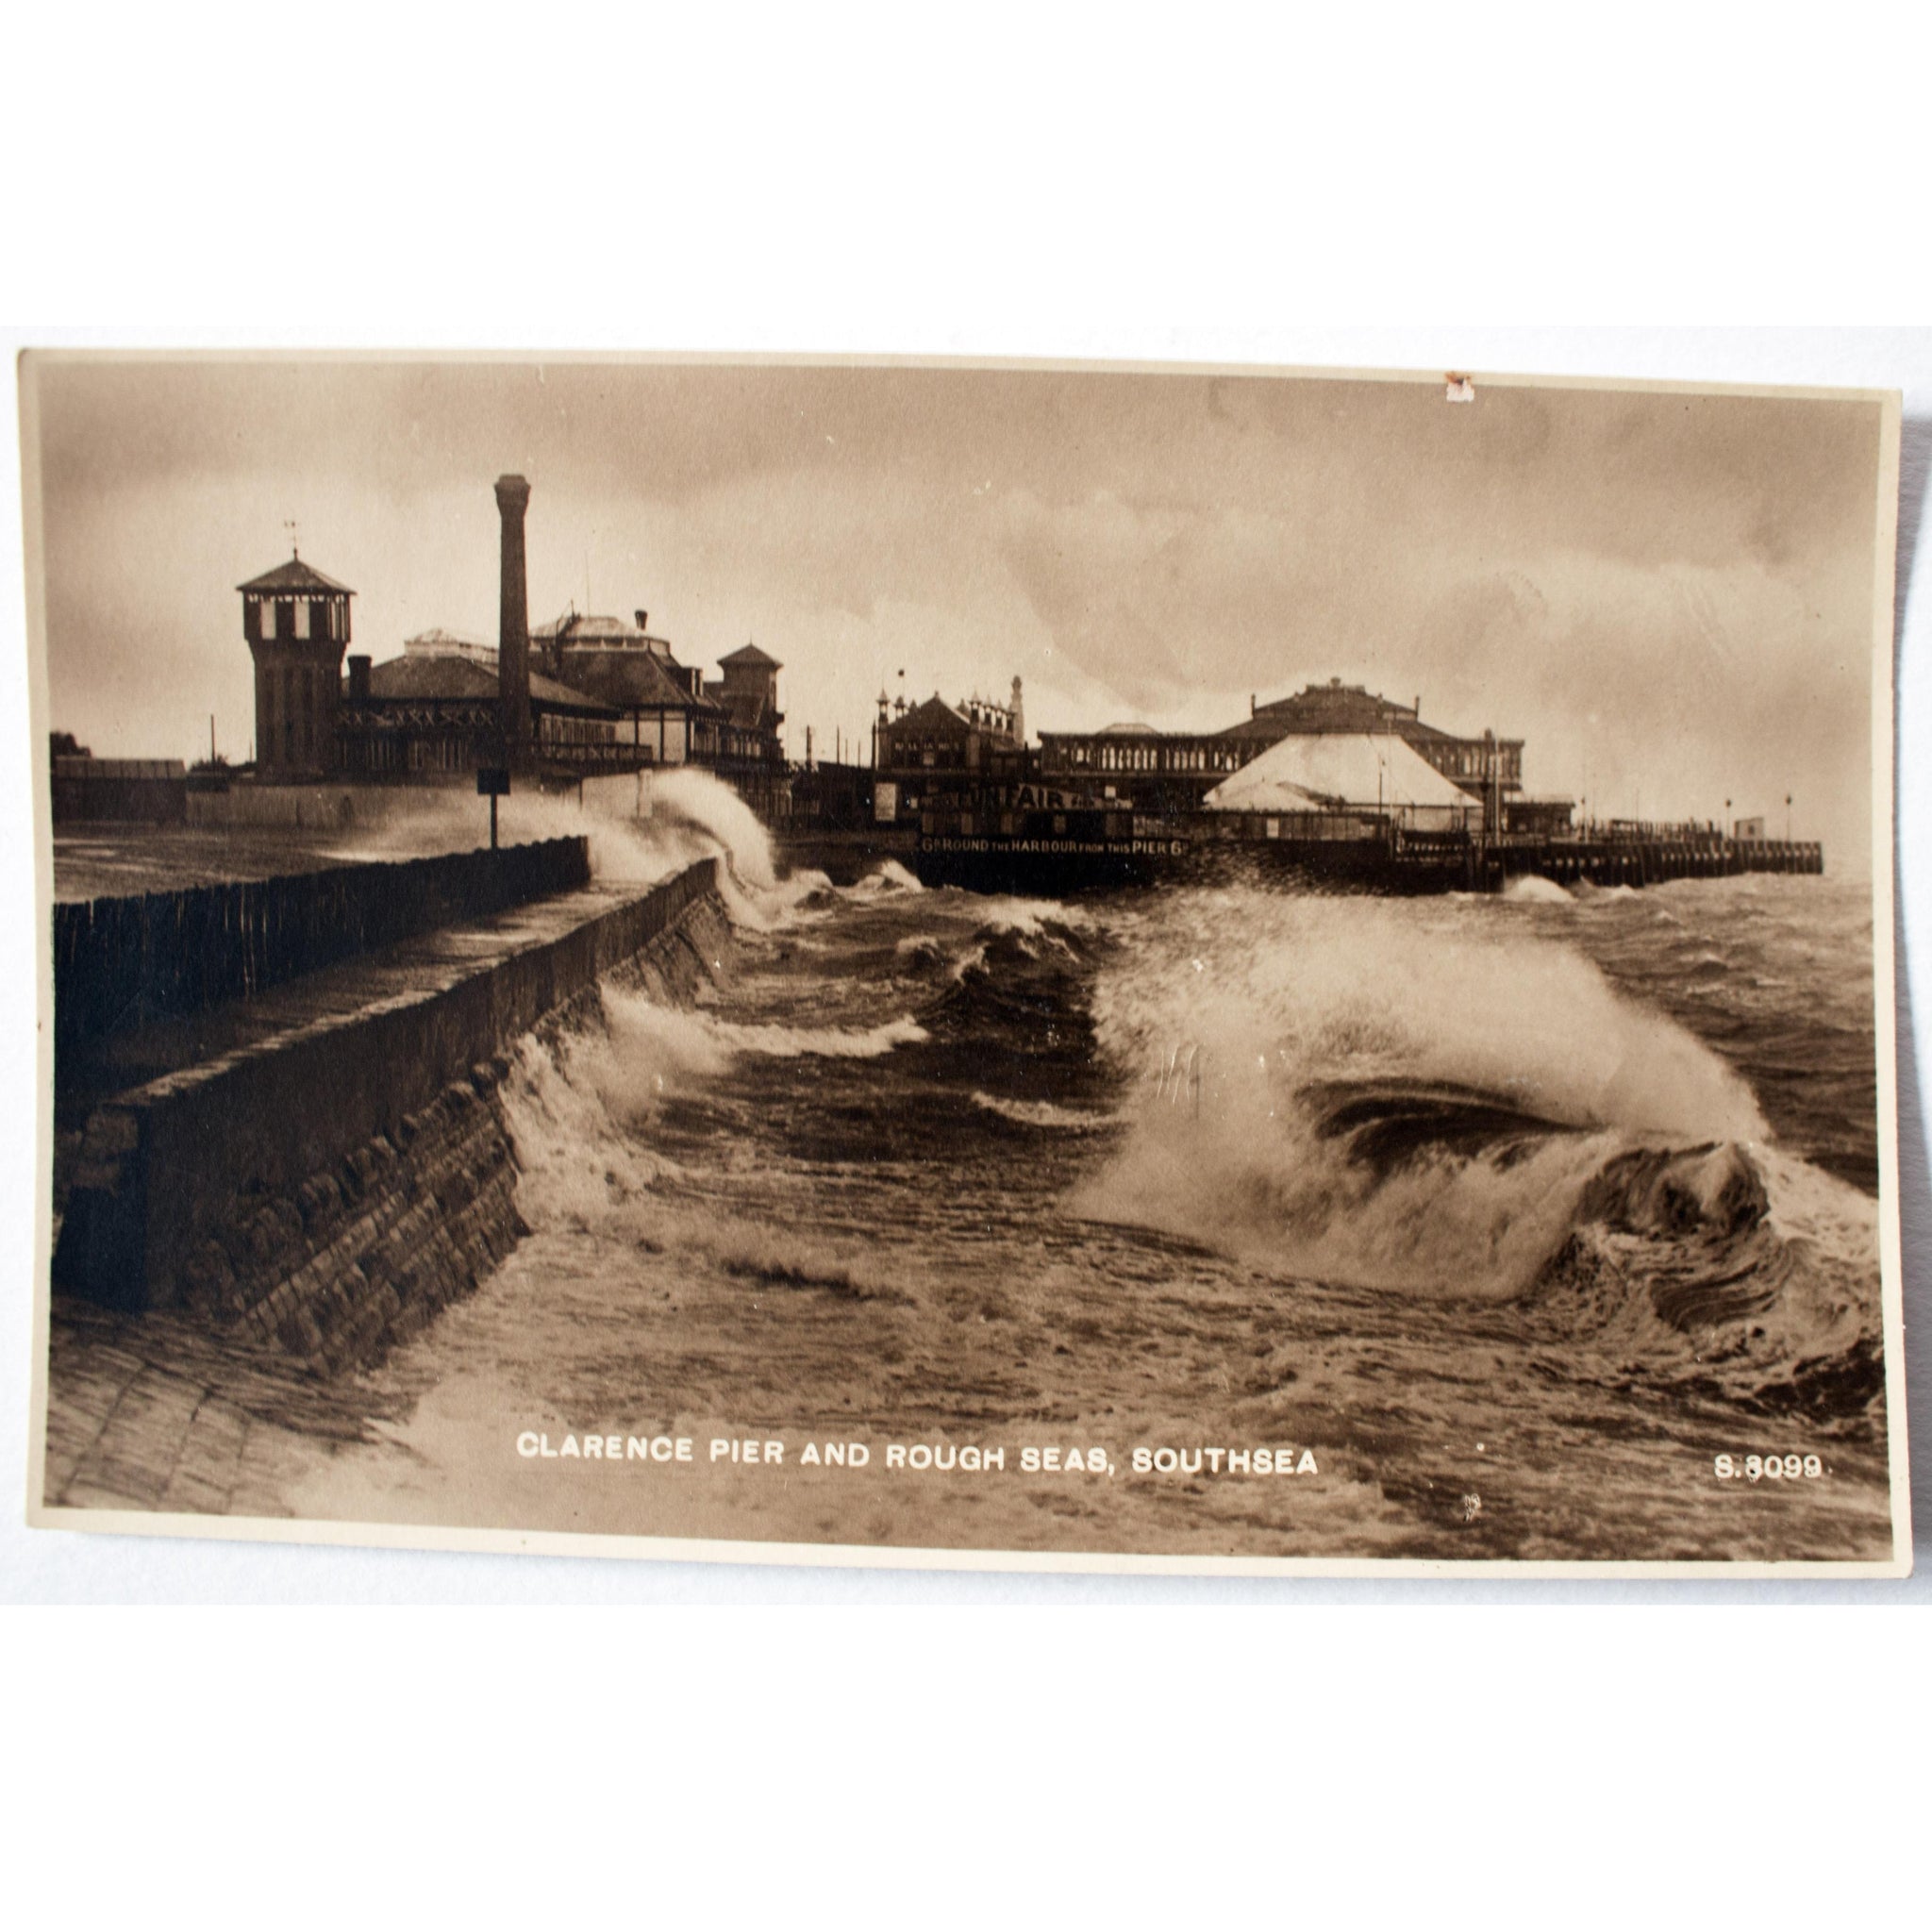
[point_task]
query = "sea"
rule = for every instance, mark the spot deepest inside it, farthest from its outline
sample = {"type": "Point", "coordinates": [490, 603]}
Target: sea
{"type": "Point", "coordinates": [1236, 1222]}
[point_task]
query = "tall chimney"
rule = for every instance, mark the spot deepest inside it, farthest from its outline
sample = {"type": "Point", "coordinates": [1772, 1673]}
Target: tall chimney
{"type": "Point", "coordinates": [513, 626]}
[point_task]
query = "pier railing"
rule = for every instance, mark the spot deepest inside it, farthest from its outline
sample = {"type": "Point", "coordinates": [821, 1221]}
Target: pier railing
{"type": "Point", "coordinates": [125, 962]}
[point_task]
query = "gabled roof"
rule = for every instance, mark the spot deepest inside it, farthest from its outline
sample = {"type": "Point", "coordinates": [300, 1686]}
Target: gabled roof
{"type": "Point", "coordinates": [935, 714]}
{"type": "Point", "coordinates": [427, 676]}
{"type": "Point", "coordinates": [750, 653]}
{"type": "Point", "coordinates": [546, 690]}
{"type": "Point", "coordinates": [294, 576]}
{"type": "Point", "coordinates": [636, 681]}
{"type": "Point", "coordinates": [463, 679]}
{"type": "Point", "coordinates": [747, 708]}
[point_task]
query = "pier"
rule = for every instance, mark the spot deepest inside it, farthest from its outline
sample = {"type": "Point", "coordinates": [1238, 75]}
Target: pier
{"type": "Point", "coordinates": [1075, 850]}
{"type": "Point", "coordinates": [1649, 857]}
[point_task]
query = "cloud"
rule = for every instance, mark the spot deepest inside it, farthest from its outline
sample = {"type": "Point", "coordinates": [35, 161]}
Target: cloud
{"type": "Point", "coordinates": [1651, 588]}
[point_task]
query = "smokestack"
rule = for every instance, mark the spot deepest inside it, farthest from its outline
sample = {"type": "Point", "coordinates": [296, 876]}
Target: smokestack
{"type": "Point", "coordinates": [513, 625]}
{"type": "Point", "coordinates": [359, 680]}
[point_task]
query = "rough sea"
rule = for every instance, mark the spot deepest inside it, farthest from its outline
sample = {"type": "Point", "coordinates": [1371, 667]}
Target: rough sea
{"type": "Point", "coordinates": [1497, 1222]}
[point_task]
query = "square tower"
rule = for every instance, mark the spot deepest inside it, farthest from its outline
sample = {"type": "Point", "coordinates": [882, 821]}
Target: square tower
{"type": "Point", "coordinates": [296, 621]}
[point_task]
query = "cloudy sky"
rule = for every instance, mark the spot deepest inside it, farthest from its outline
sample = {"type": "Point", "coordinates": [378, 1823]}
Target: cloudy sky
{"type": "Point", "coordinates": [1669, 597]}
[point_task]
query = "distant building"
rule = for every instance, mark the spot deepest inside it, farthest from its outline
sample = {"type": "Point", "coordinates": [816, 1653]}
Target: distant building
{"type": "Point", "coordinates": [749, 689]}
{"type": "Point", "coordinates": [623, 665]}
{"type": "Point", "coordinates": [437, 642]}
{"type": "Point", "coordinates": [296, 621]}
{"type": "Point", "coordinates": [1748, 829]}
{"type": "Point", "coordinates": [1175, 771]}
{"type": "Point", "coordinates": [729, 727]}
{"type": "Point", "coordinates": [430, 719]}
{"type": "Point", "coordinates": [975, 735]}
{"type": "Point", "coordinates": [603, 694]}
{"type": "Point", "coordinates": [1336, 706]}
{"type": "Point", "coordinates": [87, 788]}
{"type": "Point", "coordinates": [1162, 771]}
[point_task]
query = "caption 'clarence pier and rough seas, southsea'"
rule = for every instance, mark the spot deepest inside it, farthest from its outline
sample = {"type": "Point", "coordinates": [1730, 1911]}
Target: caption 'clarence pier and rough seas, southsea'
{"type": "Point", "coordinates": [534, 1092]}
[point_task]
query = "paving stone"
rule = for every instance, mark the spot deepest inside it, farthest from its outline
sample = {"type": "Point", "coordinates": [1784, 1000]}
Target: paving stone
{"type": "Point", "coordinates": [209, 1462]}
{"type": "Point", "coordinates": [135, 1452]}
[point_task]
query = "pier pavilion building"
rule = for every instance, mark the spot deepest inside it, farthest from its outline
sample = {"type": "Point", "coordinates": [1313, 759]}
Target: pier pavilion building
{"type": "Point", "coordinates": [975, 735]}
{"type": "Point", "coordinates": [1175, 771]}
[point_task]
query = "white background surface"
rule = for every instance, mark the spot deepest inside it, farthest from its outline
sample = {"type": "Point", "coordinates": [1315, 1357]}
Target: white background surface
{"type": "Point", "coordinates": [1210, 185]}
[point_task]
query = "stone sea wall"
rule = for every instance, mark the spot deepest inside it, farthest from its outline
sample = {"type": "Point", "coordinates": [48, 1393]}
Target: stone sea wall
{"type": "Point", "coordinates": [327, 1194]}
{"type": "Point", "coordinates": [363, 1254]}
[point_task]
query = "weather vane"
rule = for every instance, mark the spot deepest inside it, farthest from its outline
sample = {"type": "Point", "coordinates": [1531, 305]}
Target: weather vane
{"type": "Point", "coordinates": [288, 525]}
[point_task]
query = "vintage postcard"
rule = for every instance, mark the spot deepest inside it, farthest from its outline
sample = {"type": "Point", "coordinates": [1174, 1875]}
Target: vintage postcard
{"type": "Point", "coordinates": [970, 965]}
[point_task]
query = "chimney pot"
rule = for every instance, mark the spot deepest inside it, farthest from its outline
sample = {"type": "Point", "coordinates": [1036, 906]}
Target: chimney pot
{"type": "Point", "coordinates": [643, 620]}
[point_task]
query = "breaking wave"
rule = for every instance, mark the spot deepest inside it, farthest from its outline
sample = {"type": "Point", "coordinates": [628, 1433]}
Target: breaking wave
{"type": "Point", "coordinates": [1362, 1093]}
{"type": "Point", "coordinates": [1044, 1114]}
{"type": "Point", "coordinates": [887, 877]}
{"type": "Point", "coordinates": [580, 1100]}
{"type": "Point", "coordinates": [1536, 890]}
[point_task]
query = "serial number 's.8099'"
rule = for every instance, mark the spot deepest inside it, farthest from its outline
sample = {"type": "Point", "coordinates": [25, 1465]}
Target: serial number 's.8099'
{"type": "Point", "coordinates": [1757, 1469]}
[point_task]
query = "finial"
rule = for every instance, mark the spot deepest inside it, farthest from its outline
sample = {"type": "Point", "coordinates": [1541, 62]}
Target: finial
{"type": "Point", "coordinates": [294, 548]}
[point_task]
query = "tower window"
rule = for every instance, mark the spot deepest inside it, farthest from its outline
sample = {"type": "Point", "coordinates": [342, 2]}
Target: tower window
{"type": "Point", "coordinates": [302, 608]}
{"type": "Point", "coordinates": [266, 607]}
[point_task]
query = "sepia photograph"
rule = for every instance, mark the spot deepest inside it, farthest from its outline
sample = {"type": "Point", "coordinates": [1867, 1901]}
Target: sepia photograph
{"type": "Point", "coordinates": [975, 965]}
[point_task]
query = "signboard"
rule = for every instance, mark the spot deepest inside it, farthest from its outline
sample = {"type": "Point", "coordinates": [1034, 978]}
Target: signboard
{"type": "Point", "coordinates": [885, 803]}
{"type": "Point", "coordinates": [493, 781]}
